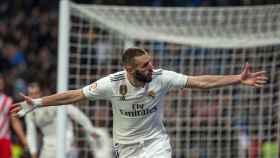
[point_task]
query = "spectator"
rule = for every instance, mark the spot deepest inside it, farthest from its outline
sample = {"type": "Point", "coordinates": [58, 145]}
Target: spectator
{"type": "Point", "coordinates": [5, 121]}
{"type": "Point", "coordinates": [254, 147]}
{"type": "Point", "coordinates": [270, 149]}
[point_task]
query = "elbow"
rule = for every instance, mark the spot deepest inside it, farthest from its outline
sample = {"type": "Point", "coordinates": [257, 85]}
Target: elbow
{"type": "Point", "coordinates": [205, 86]}
{"type": "Point", "coordinates": [199, 83]}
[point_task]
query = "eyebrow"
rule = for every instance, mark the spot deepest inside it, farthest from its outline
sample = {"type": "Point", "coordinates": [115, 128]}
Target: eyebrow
{"type": "Point", "coordinates": [146, 63]}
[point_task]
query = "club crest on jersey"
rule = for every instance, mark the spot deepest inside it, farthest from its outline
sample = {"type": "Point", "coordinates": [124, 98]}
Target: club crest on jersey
{"type": "Point", "coordinates": [152, 94]}
{"type": "Point", "coordinates": [123, 91]}
{"type": "Point", "coordinates": [93, 86]}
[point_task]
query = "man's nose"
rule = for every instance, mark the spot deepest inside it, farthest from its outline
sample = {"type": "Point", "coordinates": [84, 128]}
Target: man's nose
{"type": "Point", "coordinates": [151, 65]}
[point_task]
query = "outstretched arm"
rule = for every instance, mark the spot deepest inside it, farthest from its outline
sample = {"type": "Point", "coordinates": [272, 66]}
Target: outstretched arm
{"type": "Point", "coordinates": [255, 79]}
{"type": "Point", "coordinates": [64, 98]}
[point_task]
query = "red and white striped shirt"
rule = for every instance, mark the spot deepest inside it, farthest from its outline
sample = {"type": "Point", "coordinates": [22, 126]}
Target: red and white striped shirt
{"type": "Point", "coordinates": [5, 105]}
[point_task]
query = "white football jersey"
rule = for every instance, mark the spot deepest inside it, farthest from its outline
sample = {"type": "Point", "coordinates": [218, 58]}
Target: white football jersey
{"type": "Point", "coordinates": [137, 112]}
{"type": "Point", "coordinates": [45, 120]}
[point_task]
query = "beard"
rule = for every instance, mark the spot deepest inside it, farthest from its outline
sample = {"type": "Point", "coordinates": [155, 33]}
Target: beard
{"type": "Point", "coordinates": [142, 77]}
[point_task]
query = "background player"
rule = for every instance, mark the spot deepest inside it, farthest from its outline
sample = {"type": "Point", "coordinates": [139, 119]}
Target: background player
{"type": "Point", "coordinates": [45, 121]}
{"type": "Point", "coordinates": [6, 121]}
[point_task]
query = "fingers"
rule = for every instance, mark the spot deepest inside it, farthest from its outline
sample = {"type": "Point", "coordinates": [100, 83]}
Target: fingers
{"type": "Point", "coordinates": [14, 106]}
{"type": "Point", "coordinates": [22, 108]}
{"type": "Point", "coordinates": [256, 79]}
{"type": "Point", "coordinates": [28, 99]}
{"type": "Point", "coordinates": [246, 71]}
{"type": "Point", "coordinates": [261, 81]}
{"type": "Point", "coordinates": [262, 78]}
{"type": "Point", "coordinates": [24, 96]}
{"type": "Point", "coordinates": [258, 85]}
{"type": "Point", "coordinates": [248, 67]}
{"type": "Point", "coordinates": [15, 109]}
{"type": "Point", "coordinates": [259, 73]}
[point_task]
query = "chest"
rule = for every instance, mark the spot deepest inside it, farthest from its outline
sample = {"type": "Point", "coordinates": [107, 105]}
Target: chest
{"type": "Point", "coordinates": [138, 100]}
{"type": "Point", "coordinates": [44, 117]}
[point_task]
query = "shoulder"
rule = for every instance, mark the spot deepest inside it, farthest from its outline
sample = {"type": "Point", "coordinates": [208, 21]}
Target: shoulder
{"type": "Point", "coordinates": [7, 97]}
{"type": "Point", "coordinates": [160, 73]}
{"type": "Point", "coordinates": [165, 73]}
{"type": "Point", "coordinates": [7, 100]}
{"type": "Point", "coordinates": [118, 76]}
{"type": "Point", "coordinates": [5, 103]}
{"type": "Point", "coordinates": [168, 76]}
{"type": "Point", "coordinates": [157, 72]}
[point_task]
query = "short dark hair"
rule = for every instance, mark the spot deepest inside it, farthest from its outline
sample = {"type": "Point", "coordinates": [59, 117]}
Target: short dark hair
{"type": "Point", "coordinates": [130, 53]}
{"type": "Point", "coordinates": [34, 85]}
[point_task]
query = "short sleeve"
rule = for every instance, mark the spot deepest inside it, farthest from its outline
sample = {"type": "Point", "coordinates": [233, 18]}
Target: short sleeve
{"type": "Point", "coordinates": [173, 79]}
{"type": "Point", "coordinates": [101, 89]}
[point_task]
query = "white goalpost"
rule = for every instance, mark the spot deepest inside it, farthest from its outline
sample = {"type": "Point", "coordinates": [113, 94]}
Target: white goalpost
{"type": "Point", "coordinates": [230, 122]}
{"type": "Point", "coordinates": [62, 72]}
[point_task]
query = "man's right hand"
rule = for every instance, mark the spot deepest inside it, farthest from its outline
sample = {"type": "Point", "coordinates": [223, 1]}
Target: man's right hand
{"type": "Point", "coordinates": [22, 108]}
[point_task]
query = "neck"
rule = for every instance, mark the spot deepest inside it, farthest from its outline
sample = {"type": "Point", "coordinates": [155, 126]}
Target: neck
{"type": "Point", "coordinates": [134, 82]}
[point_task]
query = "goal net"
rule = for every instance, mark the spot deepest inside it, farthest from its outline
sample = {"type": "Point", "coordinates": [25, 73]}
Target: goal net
{"type": "Point", "coordinates": [229, 122]}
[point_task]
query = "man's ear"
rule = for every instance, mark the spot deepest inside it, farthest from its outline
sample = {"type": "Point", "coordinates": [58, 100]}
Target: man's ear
{"type": "Point", "coordinates": [128, 68]}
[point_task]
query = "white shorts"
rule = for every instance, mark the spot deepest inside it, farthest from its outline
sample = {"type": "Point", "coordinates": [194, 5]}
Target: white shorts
{"type": "Point", "coordinates": [50, 152]}
{"type": "Point", "coordinates": [153, 148]}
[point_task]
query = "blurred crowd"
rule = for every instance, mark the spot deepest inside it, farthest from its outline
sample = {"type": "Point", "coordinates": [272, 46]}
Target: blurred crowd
{"type": "Point", "coordinates": [28, 37]}
{"type": "Point", "coordinates": [28, 44]}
